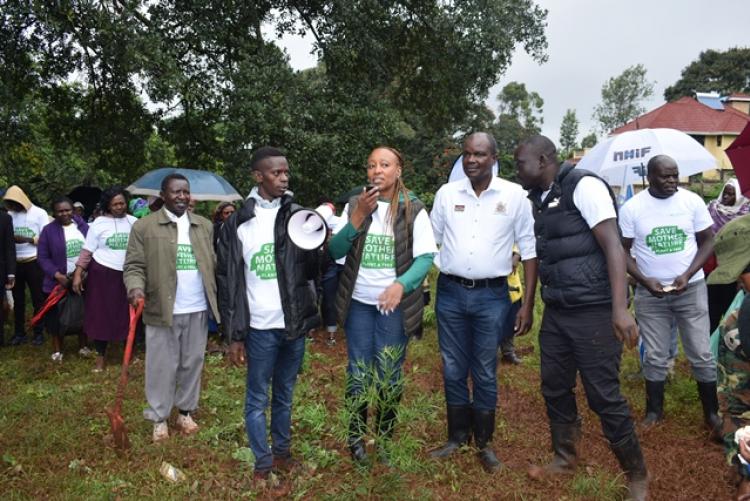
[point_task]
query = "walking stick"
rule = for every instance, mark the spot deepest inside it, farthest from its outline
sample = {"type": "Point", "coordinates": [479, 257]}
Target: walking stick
{"type": "Point", "coordinates": [116, 421]}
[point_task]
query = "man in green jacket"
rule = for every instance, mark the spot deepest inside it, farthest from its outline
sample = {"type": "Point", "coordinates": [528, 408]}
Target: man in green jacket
{"type": "Point", "coordinates": [170, 264]}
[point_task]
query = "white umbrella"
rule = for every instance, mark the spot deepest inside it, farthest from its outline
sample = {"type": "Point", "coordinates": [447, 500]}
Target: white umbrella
{"type": "Point", "coordinates": [621, 160]}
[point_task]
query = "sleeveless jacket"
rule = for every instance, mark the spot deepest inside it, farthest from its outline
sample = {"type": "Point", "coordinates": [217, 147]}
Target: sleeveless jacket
{"type": "Point", "coordinates": [572, 266]}
{"type": "Point", "coordinates": [412, 304]}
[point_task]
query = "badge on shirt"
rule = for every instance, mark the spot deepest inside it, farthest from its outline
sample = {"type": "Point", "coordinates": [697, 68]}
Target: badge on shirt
{"type": "Point", "coordinates": [500, 208]}
{"type": "Point", "coordinates": [459, 208]}
{"type": "Point", "coordinates": [554, 203]}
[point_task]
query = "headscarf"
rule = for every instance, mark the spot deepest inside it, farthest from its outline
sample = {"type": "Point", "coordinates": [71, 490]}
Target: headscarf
{"type": "Point", "coordinates": [722, 214]}
{"type": "Point", "coordinates": [139, 207]}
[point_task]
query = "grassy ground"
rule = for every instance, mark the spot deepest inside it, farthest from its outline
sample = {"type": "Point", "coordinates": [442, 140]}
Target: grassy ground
{"type": "Point", "coordinates": [54, 441]}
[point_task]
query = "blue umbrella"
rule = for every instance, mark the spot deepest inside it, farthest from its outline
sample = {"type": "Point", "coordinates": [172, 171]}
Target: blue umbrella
{"type": "Point", "coordinates": [204, 185]}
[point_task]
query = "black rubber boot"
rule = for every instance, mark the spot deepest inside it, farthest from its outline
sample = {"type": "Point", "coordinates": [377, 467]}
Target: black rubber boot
{"type": "Point", "coordinates": [357, 429]}
{"type": "Point", "coordinates": [484, 427]}
{"type": "Point", "coordinates": [654, 403]}
{"type": "Point", "coordinates": [385, 421]}
{"type": "Point", "coordinates": [565, 439]}
{"type": "Point", "coordinates": [459, 430]}
{"type": "Point", "coordinates": [629, 454]}
{"type": "Point", "coordinates": [710, 403]}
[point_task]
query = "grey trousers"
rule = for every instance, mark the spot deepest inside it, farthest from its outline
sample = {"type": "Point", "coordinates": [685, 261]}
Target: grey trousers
{"type": "Point", "coordinates": [690, 310]}
{"type": "Point", "coordinates": [174, 363]}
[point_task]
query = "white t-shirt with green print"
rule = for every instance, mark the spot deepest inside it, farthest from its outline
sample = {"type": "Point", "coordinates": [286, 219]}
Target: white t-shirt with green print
{"type": "Point", "coordinates": [663, 232]}
{"type": "Point", "coordinates": [377, 269]}
{"type": "Point", "coordinates": [191, 295]}
{"type": "Point", "coordinates": [261, 284]}
{"type": "Point", "coordinates": [74, 241]}
{"type": "Point", "coordinates": [107, 240]}
{"type": "Point", "coordinates": [28, 224]}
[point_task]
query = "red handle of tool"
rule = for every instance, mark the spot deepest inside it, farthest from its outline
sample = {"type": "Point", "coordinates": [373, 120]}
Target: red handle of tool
{"type": "Point", "coordinates": [135, 315]}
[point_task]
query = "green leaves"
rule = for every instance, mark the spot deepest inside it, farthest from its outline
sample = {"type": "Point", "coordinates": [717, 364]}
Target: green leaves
{"type": "Point", "coordinates": [112, 89]}
{"type": "Point", "coordinates": [622, 98]}
{"type": "Point", "coordinates": [723, 72]}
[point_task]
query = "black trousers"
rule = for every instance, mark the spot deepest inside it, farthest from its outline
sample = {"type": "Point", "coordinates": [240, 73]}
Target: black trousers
{"type": "Point", "coordinates": [582, 340]}
{"type": "Point", "coordinates": [27, 274]}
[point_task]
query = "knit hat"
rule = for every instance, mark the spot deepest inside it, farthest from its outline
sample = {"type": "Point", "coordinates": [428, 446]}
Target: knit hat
{"type": "Point", "coordinates": [731, 248]}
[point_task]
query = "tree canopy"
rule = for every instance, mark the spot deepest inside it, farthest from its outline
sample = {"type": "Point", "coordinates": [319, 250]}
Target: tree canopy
{"type": "Point", "coordinates": [723, 72]}
{"type": "Point", "coordinates": [569, 132]}
{"type": "Point", "coordinates": [622, 98]}
{"type": "Point", "coordinates": [101, 91]}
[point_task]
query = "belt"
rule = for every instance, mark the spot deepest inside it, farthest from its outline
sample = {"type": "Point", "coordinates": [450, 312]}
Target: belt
{"type": "Point", "coordinates": [473, 283]}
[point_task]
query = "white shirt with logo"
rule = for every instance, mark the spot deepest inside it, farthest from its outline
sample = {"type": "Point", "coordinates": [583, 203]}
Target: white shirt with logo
{"type": "Point", "coordinates": [377, 268]}
{"type": "Point", "coordinates": [477, 234]}
{"type": "Point", "coordinates": [261, 284]}
{"type": "Point", "coordinates": [191, 295]}
{"type": "Point", "coordinates": [663, 232]}
{"type": "Point", "coordinates": [74, 241]}
{"type": "Point", "coordinates": [28, 224]}
{"type": "Point", "coordinates": [107, 240]}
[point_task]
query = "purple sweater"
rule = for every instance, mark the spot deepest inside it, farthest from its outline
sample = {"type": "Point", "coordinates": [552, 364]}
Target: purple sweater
{"type": "Point", "coordinates": [51, 251]}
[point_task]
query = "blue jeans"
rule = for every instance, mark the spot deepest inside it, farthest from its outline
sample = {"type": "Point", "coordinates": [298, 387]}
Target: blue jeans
{"type": "Point", "coordinates": [270, 358]}
{"type": "Point", "coordinates": [368, 334]}
{"type": "Point", "coordinates": [469, 328]}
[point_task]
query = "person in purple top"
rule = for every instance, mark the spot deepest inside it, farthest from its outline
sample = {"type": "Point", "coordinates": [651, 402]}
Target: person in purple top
{"type": "Point", "coordinates": [59, 245]}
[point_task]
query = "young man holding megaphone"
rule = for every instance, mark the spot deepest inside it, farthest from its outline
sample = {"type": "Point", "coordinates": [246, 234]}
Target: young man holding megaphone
{"type": "Point", "coordinates": [268, 304]}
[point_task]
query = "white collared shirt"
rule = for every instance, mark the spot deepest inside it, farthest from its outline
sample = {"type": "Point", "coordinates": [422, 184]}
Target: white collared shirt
{"type": "Point", "coordinates": [476, 234]}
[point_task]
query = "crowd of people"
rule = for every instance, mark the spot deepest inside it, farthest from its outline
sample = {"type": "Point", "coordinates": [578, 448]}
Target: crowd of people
{"type": "Point", "coordinates": [242, 273]}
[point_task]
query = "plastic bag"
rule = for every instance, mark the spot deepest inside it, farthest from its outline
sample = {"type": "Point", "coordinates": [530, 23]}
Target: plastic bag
{"type": "Point", "coordinates": [71, 313]}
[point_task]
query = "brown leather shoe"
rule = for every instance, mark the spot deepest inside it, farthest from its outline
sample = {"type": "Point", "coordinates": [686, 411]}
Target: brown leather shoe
{"type": "Point", "coordinates": [285, 464]}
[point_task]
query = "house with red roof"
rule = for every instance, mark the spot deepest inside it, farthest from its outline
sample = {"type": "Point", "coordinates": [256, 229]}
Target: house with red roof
{"type": "Point", "coordinates": [715, 126]}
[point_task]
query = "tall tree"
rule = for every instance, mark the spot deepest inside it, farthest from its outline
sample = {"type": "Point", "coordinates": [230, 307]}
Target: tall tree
{"type": "Point", "coordinates": [589, 141]}
{"type": "Point", "coordinates": [724, 72]}
{"type": "Point", "coordinates": [569, 131]}
{"type": "Point", "coordinates": [622, 98]}
{"type": "Point", "coordinates": [521, 105]}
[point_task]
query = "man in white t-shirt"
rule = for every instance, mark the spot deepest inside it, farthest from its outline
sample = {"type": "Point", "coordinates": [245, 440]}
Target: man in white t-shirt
{"type": "Point", "coordinates": [476, 221]}
{"type": "Point", "coordinates": [669, 231]}
{"type": "Point", "coordinates": [586, 318]}
{"type": "Point", "coordinates": [268, 304]}
{"type": "Point", "coordinates": [170, 263]}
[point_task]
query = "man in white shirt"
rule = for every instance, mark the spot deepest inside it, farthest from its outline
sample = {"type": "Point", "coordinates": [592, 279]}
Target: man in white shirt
{"type": "Point", "coordinates": [586, 318]}
{"type": "Point", "coordinates": [476, 222]}
{"type": "Point", "coordinates": [669, 230]}
{"type": "Point", "coordinates": [170, 264]}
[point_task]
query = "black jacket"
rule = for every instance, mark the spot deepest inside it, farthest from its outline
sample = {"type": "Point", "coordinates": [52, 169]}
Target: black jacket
{"type": "Point", "coordinates": [296, 271]}
{"type": "Point", "coordinates": [7, 247]}
{"type": "Point", "coordinates": [572, 267]}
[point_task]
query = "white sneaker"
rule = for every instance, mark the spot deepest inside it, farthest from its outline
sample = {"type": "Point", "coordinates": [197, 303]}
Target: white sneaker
{"type": "Point", "coordinates": [57, 357]}
{"type": "Point", "coordinates": [161, 431]}
{"type": "Point", "coordinates": [186, 424]}
{"type": "Point", "coordinates": [85, 352]}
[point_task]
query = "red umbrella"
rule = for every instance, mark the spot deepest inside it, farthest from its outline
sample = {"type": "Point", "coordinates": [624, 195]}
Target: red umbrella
{"type": "Point", "coordinates": [739, 154]}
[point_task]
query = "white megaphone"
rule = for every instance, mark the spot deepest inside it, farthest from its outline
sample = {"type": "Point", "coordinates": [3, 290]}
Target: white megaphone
{"type": "Point", "coordinates": [307, 228]}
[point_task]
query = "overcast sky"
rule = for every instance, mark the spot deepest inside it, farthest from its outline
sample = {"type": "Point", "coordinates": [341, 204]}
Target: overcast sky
{"type": "Point", "coordinates": [593, 40]}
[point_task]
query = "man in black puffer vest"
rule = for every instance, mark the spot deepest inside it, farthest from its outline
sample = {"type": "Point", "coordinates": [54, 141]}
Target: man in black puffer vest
{"type": "Point", "coordinates": [268, 296]}
{"type": "Point", "coordinates": [583, 275]}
